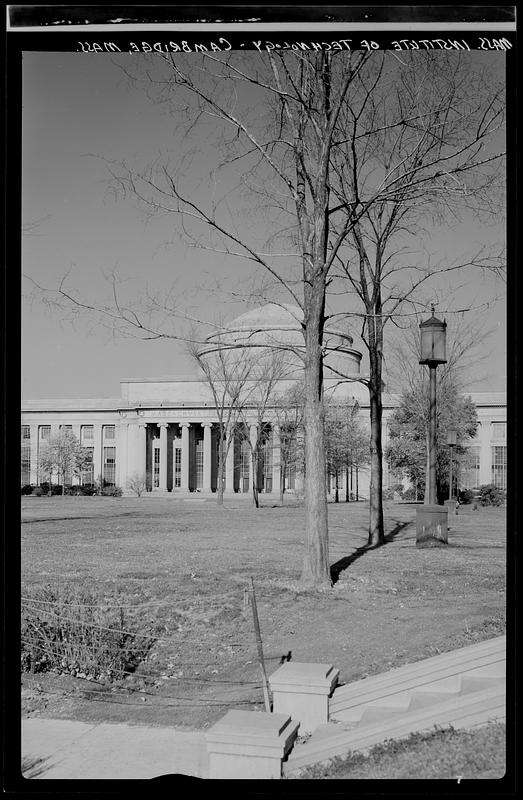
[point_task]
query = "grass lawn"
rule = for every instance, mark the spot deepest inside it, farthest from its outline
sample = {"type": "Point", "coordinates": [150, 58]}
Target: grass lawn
{"type": "Point", "coordinates": [440, 755]}
{"type": "Point", "coordinates": [178, 569]}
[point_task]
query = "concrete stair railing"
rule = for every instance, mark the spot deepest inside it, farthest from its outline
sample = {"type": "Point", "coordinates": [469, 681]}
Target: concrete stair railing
{"type": "Point", "coordinates": [333, 739]}
{"type": "Point", "coordinates": [464, 688]}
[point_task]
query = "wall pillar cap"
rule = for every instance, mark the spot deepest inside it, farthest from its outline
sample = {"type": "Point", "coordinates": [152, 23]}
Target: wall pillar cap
{"type": "Point", "coordinates": [252, 733]}
{"type": "Point", "coordinates": [295, 676]}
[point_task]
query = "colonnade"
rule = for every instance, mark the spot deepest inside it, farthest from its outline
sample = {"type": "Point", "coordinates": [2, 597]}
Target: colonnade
{"type": "Point", "coordinates": [183, 456]}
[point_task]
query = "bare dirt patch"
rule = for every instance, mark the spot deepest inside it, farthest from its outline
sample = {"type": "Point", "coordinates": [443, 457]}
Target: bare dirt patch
{"type": "Point", "coordinates": [180, 569]}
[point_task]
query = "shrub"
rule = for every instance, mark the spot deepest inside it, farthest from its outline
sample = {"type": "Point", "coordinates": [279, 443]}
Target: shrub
{"type": "Point", "coordinates": [80, 491]}
{"type": "Point", "coordinates": [69, 630]}
{"type": "Point", "coordinates": [490, 495]}
{"type": "Point", "coordinates": [37, 491]}
{"type": "Point", "coordinates": [27, 489]}
{"type": "Point", "coordinates": [137, 484]}
{"type": "Point", "coordinates": [55, 488]}
{"type": "Point", "coordinates": [410, 494]}
{"type": "Point", "coordinates": [466, 496]}
{"type": "Point", "coordinates": [111, 491]}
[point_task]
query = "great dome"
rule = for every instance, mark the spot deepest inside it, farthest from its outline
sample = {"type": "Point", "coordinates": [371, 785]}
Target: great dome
{"type": "Point", "coordinates": [279, 325]}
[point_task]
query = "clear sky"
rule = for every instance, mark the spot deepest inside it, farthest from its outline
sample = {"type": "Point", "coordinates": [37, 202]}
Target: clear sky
{"type": "Point", "coordinates": [79, 105]}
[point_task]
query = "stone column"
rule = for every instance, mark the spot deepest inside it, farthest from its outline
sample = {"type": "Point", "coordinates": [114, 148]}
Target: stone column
{"type": "Point", "coordinates": [229, 465]}
{"type": "Point", "coordinates": [485, 453]}
{"type": "Point", "coordinates": [276, 459]}
{"type": "Point", "coordinates": [163, 456]}
{"type": "Point", "coordinates": [121, 454]}
{"type": "Point", "coordinates": [97, 452]}
{"type": "Point", "coordinates": [141, 451]}
{"type": "Point", "coordinates": [132, 453]}
{"type": "Point", "coordinates": [185, 457]}
{"type": "Point", "coordinates": [207, 456]}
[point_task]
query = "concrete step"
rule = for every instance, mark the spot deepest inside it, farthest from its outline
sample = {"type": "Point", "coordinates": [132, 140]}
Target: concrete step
{"type": "Point", "coordinates": [404, 702]}
{"type": "Point", "coordinates": [334, 739]}
{"type": "Point", "coordinates": [442, 673]}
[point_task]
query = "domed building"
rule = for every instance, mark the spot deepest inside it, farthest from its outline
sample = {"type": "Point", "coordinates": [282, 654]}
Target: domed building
{"type": "Point", "coordinates": [277, 328]}
{"type": "Point", "coordinates": [164, 432]}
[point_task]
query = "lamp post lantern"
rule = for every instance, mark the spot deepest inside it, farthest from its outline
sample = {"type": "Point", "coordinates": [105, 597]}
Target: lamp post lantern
{"type": "Point", "coordinates": [431, 520]}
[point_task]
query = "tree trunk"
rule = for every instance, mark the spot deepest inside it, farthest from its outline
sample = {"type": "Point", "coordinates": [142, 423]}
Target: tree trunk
{"type": "Point", "coordinates": [376, 532]}
{"type": "Point", "coordinates": [337, 490]}
{"type": "Point", "coordinates": [316, 570]}
{"type": "Point", "coordinates": [255, 492]}
{"type": "Point", "coordinates": [220, 470]}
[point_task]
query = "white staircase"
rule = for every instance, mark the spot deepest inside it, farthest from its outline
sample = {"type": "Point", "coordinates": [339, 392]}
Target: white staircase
{"type": "Point", "coordinates": [462, 688]}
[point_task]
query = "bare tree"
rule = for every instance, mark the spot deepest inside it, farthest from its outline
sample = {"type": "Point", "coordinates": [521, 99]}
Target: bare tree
{"type": "Point", "coordinates": [268, 367]}
{"type": "Point", "coordinates": [137, 483]}
{"type": "Point", "coordinates": [284, 145]}
{"type": "Point", "coordinates": [288, 412]}
{"type": "Point", "coordinates": [346, 440]}
{"type": "Point", "coordinates": [226, 371]}
{"type": "Point", "coordinates": [418, 150]}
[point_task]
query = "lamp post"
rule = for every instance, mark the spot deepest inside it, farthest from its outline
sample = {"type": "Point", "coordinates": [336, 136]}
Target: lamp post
{"type": "Point", "coordinates": [431, 520]}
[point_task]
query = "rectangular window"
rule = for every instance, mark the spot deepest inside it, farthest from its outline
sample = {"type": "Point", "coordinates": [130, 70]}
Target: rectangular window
{"type": "Point", "coordinates": [66, 427]}
{"type": "Point", "coordinates": [177, 467]}
{"type": "Point", "coordinates": [156, 467]}
{"type": "Point", "coordinates": [26, 431]}
{"type": "Point", "coordinates": [109, 432]}
{"type": "Point", "coordinates": [499, 431]}
{"type": "Point", "coordinates": [109, 466]}
{"type": "Point", "coordinates": [44, 433]}
{"type": "Point", "coordinates": [499, 467]}
{"type": "Point", "coordinates": [87, 476]}
{"type": "Point", "coordinates": [26, 464]}
{"type": "Point", "coordinates": [470, 470]}
{"type": "Point", "coordinates": [86, 434]}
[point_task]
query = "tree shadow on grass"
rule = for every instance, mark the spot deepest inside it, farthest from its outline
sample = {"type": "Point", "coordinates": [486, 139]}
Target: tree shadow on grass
{"type": "Point", "coordinates": [345, 562]}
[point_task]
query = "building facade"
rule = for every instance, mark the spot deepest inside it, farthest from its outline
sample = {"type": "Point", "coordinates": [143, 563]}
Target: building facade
{"type": "Point", "coordinates": [165, 431]}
